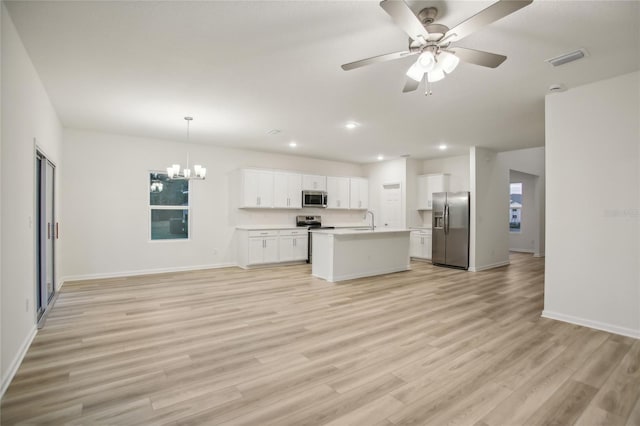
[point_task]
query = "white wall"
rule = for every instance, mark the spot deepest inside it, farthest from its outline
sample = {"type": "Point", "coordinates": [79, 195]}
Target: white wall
{"type": "Point", "coordinates": [413, 169]}
{"type": "Point", "coordinates": [106, 233]}
{"type": "Point", "coordinates": [458, 170]}
{"type": "Point", "coordinates": [27, 113]}
{"type": "Point", "coordinates": [489, 228]}
{"type": "Point", "coordinates": [525, 238]}
{"type": "Point", "coordinates": [392, 171]}
{"type": "Point", "coordinates": [592, 272]}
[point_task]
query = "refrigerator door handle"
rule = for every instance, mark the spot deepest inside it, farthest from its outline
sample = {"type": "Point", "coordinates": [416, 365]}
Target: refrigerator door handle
{"type": "Point", "coordinates": [446, 218]}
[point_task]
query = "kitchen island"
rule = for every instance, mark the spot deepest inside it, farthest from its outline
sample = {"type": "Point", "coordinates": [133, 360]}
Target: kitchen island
{"type": "Point", "coordinates": [344, 254]}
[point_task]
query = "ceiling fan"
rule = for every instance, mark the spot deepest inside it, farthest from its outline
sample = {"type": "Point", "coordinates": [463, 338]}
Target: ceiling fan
{"type": "Point", "coordinates": [433, 42]}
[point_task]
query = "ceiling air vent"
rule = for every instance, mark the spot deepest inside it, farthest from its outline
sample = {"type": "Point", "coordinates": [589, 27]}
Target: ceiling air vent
{"type": "Point", "coordinates": [568, 57]}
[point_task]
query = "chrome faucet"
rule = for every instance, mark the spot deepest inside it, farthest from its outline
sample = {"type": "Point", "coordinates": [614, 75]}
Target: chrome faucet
{"type": "Point", "coordinates": [373, 222]}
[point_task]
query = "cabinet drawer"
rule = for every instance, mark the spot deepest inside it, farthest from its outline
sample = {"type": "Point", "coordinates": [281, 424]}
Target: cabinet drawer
{"type": "Point", "coordinates": [270, 233]}
{"type": "Point", "coordinates": [286, 232]}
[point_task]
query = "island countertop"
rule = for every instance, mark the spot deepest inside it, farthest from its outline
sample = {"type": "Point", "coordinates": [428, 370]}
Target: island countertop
{"type": "Point", "coordinates": [360, 231]}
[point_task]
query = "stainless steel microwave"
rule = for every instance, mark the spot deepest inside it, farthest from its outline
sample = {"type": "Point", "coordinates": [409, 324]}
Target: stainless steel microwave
{"type": "Point", "coordinates": [314, 199]}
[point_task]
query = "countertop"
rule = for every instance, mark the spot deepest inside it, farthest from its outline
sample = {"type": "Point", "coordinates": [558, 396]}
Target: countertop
{"type": "Point", "coordinates": [266, 227]}
{"type": "Point", "coordinates": [358, 232]}
{"type": "Point", "coordinates": [276, 227]}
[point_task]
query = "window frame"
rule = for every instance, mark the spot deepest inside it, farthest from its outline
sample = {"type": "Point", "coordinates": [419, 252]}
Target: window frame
{"type": "Point", "coordinates": [151, 208]}
{"type": "Point", "coordinates": [517, 230]}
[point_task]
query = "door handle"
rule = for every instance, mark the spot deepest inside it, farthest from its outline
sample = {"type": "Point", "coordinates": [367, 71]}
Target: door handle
{"type": "Point", "coordinates": [48, 231]}
{"type": "Point", "coordinates": [446, 218]}
{"type": "Point", "coordinates": [57, 233]}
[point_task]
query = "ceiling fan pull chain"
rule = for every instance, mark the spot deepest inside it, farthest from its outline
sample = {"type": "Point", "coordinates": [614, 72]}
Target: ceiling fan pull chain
{"type": "Point", "coordinates": [427, 85]}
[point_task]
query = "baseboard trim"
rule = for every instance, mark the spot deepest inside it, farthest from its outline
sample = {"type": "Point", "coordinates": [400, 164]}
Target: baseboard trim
{"type": "Point", "coordinates": [144, 272]}
{"type": "Point", "coordinates": [517, 250]}
{"type": "Point", "coordinates": [541, 254]}
{"type": "Point", "coordinates": [17, 360]}
{"type": "Point", "coordinates": [485, 267]}
{"type": "Point", "coordinates": [610, 328]}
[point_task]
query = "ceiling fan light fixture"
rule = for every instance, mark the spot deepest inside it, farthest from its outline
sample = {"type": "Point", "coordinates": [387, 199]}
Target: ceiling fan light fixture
{"type": "Point", "coordinates": [426, 61]}
{"type": "Point", "coordinates": [435, 74]}
{"type": "Point", "coordinates": [415, 72]}
{"type": "Point", "coordinates": [448, 61]}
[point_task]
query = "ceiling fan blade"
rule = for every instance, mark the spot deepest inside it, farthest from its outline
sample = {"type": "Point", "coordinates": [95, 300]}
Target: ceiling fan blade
{"type": "Point", "coordinates": [491, 14]}
{"type": "Point", "coordinates": [376, 59]}
{"type": "Point", "coordinates": [405, 19]}
{"type": "Point", "coordinates": [410, 85]}
{"type": "Point", "coordinates": [478, 57]}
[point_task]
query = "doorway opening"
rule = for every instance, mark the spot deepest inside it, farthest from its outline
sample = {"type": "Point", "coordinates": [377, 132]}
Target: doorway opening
{"type": "Point", "coordinates": [46, 235]}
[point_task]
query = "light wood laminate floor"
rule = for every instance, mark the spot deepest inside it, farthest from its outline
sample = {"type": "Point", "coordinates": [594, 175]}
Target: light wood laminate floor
{"type": "Point", "coordinates": [430, 346]}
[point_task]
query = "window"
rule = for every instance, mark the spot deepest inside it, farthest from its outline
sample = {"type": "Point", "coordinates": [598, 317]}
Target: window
{"type": "Point", "coordinates": [168, 207]}
{"type": "Point", "coordinates": [515, 207]}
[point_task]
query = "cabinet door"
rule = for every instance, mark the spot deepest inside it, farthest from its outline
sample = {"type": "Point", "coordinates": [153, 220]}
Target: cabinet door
{"type": "Point", "coordinates": [256, 251]}
{"type": "Point", "coordinates": [359, 197]}
{"type": "Point", "coordinates": [427, 246]}
{"type": "Point", "coordinates": [257, 188]}
{"type": "Point", "coordinates": [294, 189]}
{"type": "Point", "coordinates": [286, 247]}
{"type": "Point", "coordinates": [314, 183]}
{"type": "Point", "coordinates": [300, 247]}
{"type": "Point", "coordinates": [423, 193]}
{"type": "Point", "coordinates": [364, 193]}
{"type": "Point", "coordinates": [270, 253]}
{"type": "Point", "coordinates": [337, 192]}
{"type": "Point", "coordinates": [287, 192]}
{"type": "Point", "coordinates": [415, 245]}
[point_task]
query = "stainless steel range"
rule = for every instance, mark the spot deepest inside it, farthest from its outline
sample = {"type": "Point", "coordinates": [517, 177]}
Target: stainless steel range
{"type": "Point", "coordinates": [311, 222]}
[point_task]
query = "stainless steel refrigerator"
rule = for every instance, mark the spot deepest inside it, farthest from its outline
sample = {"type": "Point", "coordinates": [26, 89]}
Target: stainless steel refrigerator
{"type": "Point", "coordinates": [450, 228]}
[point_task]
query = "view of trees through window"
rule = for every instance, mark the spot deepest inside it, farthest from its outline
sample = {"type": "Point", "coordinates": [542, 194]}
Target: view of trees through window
{"type": "Point", "coordinates": [515, 206]}
{"type": "Point", "coordinates": [168, 207]}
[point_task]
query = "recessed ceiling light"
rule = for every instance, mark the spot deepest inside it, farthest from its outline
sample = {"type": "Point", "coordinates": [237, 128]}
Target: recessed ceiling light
{"type": "Point", "coordinates": [351, 125]}
{"type": "Point", "coordinates": [442, 147]}
{"type": "Point", "coordinates": [380, 157]}
{"type": "Point", "coordinates": [292, 144]}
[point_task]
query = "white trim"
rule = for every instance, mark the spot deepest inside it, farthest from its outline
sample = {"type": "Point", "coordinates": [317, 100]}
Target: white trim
{"type": "Point", "coordinates": [611, 328]}
{"type": "Point", "coordinates": [517, 250]}
{"type": "Point", "coordinates": [145, 272]}
{"type": "Point", "coordinates": [541, 254]}
{"type": "Point", "coordinates": [17, 360]}
{"type": "Point", "coordinates": [491, 266]}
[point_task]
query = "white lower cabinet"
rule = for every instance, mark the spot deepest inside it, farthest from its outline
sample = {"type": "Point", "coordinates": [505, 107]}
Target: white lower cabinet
{"type": "Point", "coordinates": [258, 247]}
{"type": "Point", "coordinates": [420, 244]}
{"type": "Point", "coordinates": [262, 248]}
{"type": "Point", "coordinates": [292, 248]}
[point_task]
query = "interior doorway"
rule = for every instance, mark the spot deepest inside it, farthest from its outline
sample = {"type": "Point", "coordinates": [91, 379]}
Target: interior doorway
{"type": "Point", "coordinates": [391, 205]}
{"type": "Point", "coordinates": [46, 233]}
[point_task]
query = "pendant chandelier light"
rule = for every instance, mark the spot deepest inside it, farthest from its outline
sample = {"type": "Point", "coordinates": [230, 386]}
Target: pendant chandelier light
{"type": "Point", "coordinates": [174, 172]}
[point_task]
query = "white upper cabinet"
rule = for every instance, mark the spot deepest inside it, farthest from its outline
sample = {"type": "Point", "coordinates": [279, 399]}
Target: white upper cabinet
{"type": "Point", "coordinates": [337, 192]}
{"type": "Point", "coordinates": [287, 190]}
{"type": "Point", "coordinates": [257, 188]}
{"type": "Point", "coordinates": [314, 183]}
{"type": "Point", "coordinates": [359, 196]}
{"type": "Point", "coordinates": [427, 185]}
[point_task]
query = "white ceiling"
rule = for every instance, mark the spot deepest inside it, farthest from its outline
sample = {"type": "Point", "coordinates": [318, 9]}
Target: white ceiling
{"type": "Point", "coordinates": [242, 68]}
